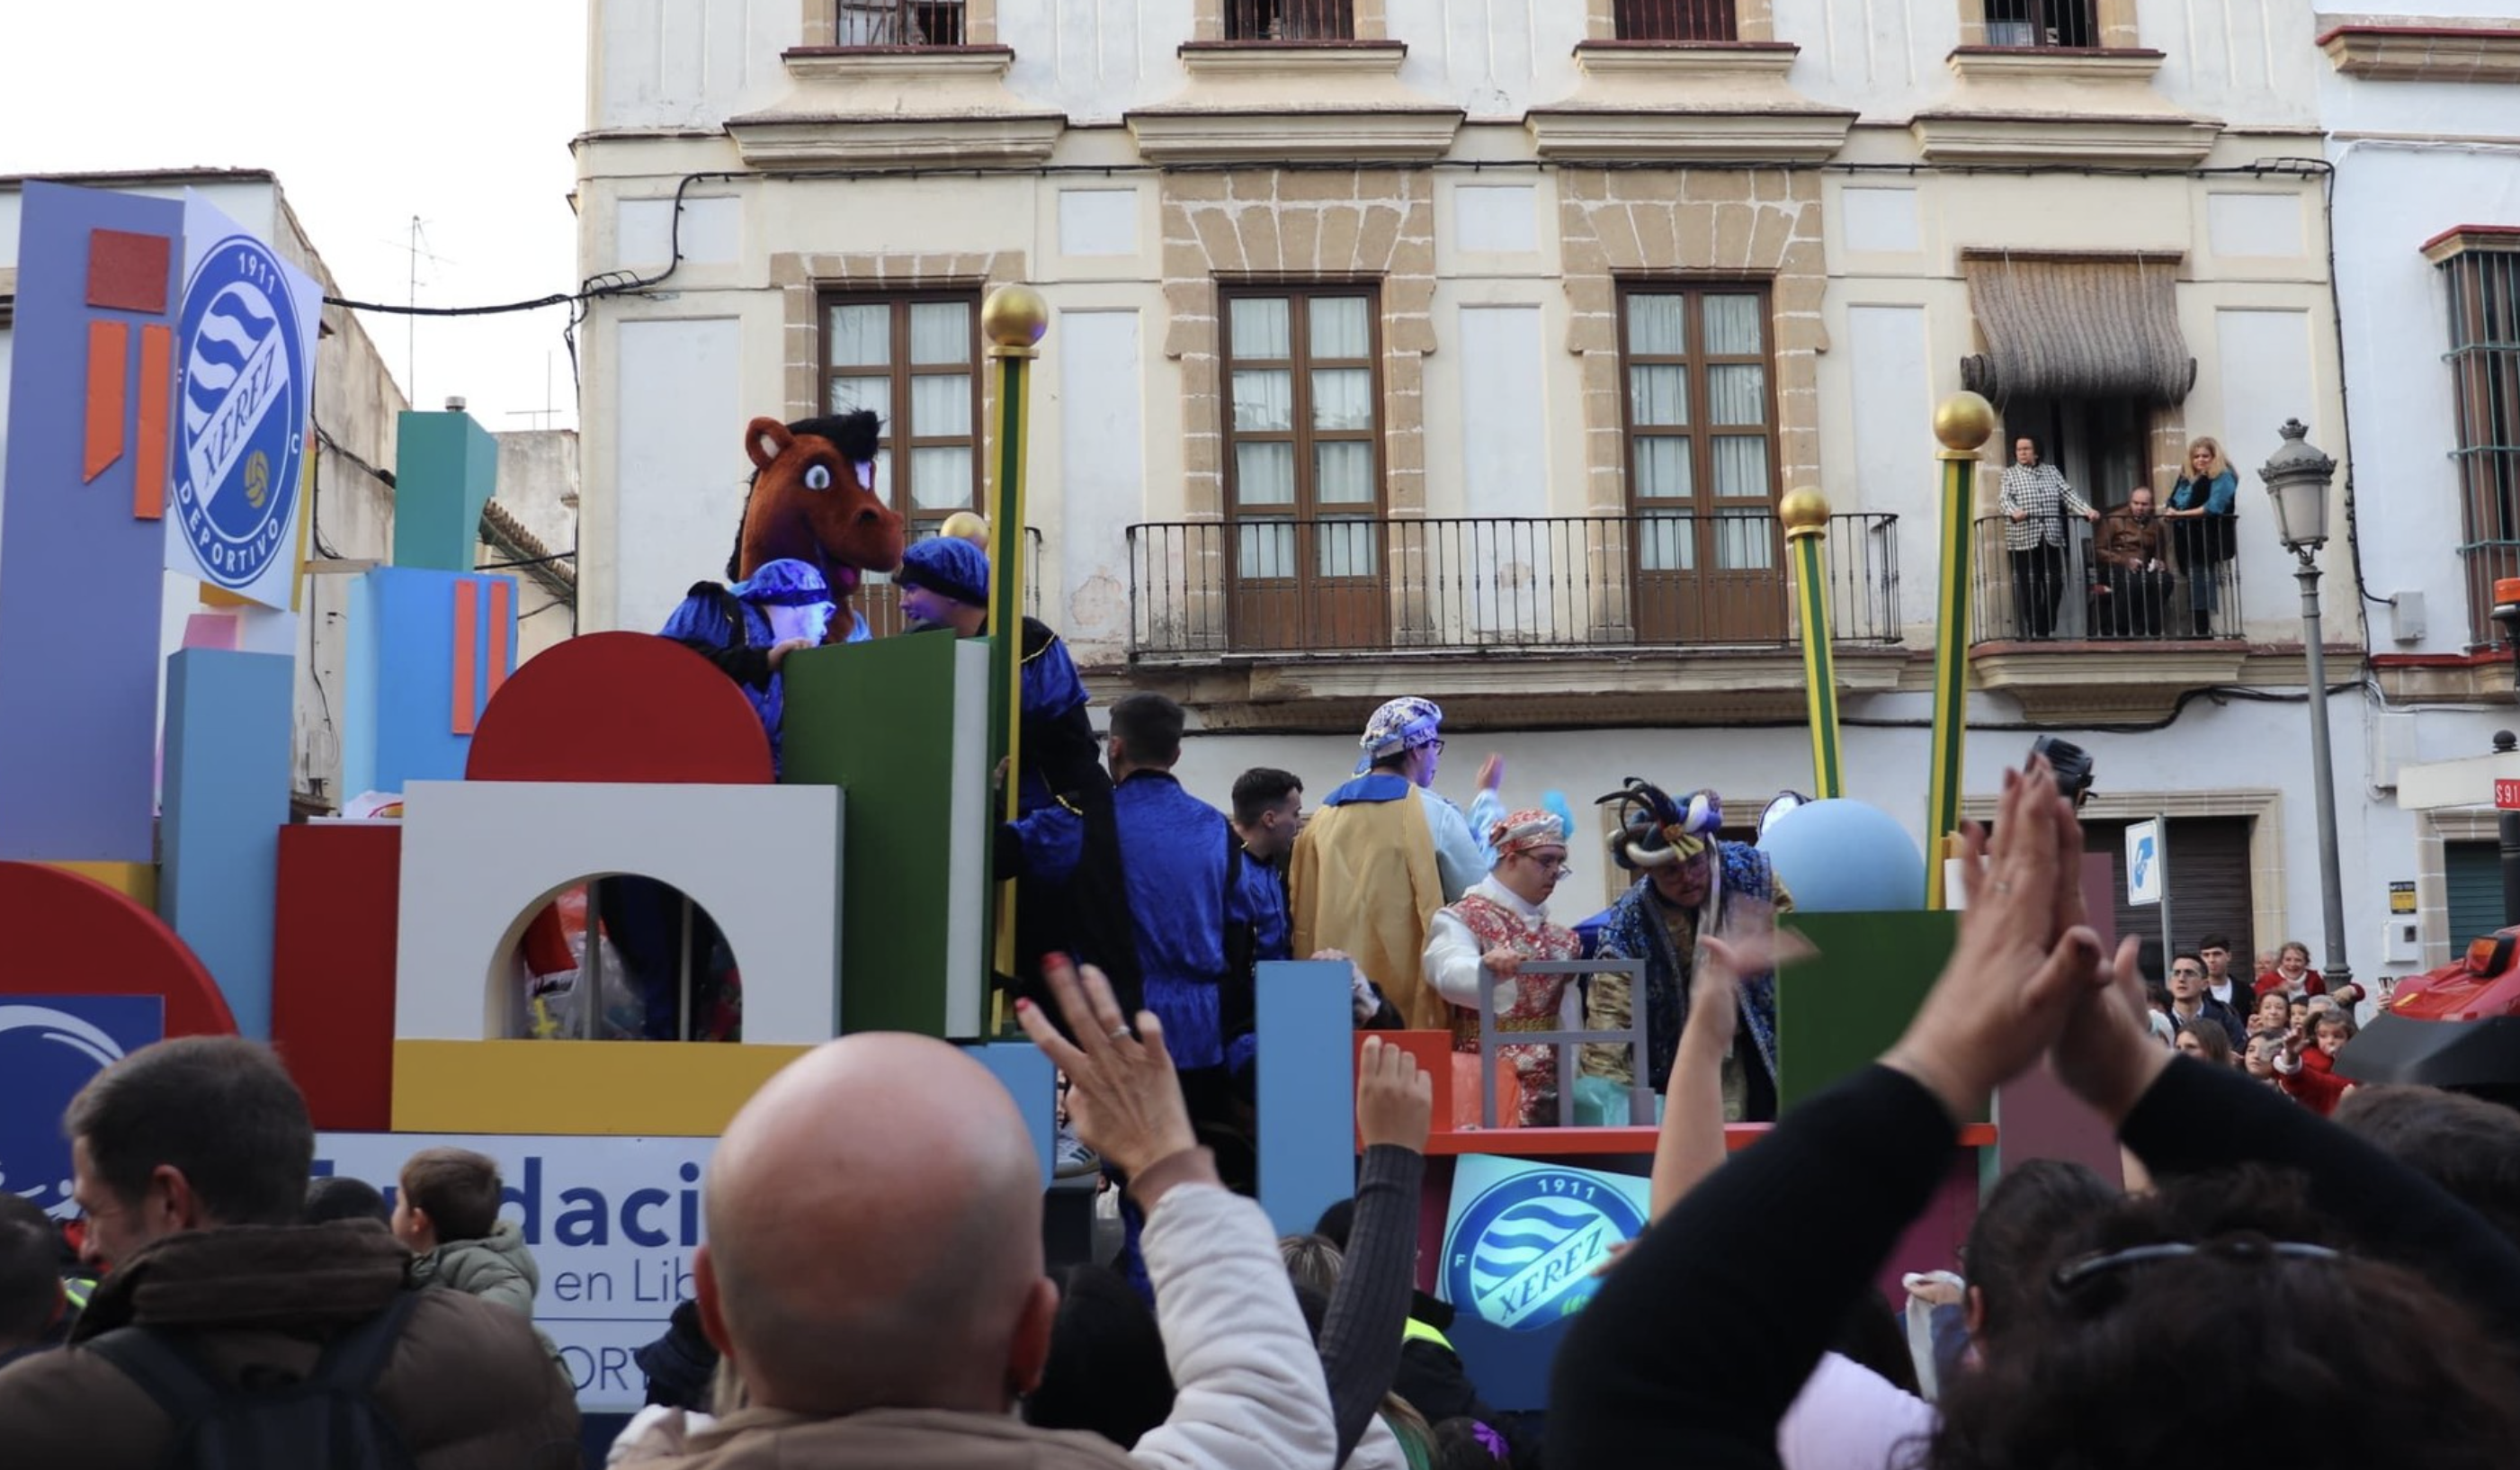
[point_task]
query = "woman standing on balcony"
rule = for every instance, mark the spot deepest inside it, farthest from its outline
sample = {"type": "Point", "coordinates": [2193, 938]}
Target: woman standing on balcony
{"type": "Point", "coordinates": [2035, 500]}
{"type": "Point", "coordinates": [2202, 521]}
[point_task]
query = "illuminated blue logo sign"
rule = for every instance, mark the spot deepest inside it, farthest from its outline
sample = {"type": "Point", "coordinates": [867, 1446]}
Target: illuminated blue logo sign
{"type": "Point", "coordinates": [50, 1047]}
{"type": "Point", "coordinates": [1521, 1253]}
{"type": "Point", "coordinates": [245, 410]}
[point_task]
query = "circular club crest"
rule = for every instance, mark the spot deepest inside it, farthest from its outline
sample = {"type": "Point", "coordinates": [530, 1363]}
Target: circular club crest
{"type": "Point", "coordinates": [1524, 1253]}
{"type": "Point", "coordinates": [48, 1056]}
{"type": "Point", "coordinates": [245, 399]}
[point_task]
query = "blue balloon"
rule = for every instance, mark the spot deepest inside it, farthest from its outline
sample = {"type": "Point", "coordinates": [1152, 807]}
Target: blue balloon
{"type": "Point", "coordinates": [1841, 856]}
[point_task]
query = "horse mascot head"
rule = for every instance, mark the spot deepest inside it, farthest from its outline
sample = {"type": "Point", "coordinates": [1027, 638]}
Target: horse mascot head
{"type": "Point", "coordinates": [810, 501]}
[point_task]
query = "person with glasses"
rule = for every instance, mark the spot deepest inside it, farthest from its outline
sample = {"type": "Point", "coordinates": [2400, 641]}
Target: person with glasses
{"type": "Point", "coordinates": [1484, 939]}
{"type": "Point", "coordinates": [2191, 1003]}
{"type": "Point", "coordinates": [1384, 851]}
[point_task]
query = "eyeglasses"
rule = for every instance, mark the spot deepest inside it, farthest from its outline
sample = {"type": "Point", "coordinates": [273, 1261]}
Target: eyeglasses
{"type": "Point", "coordinates": [1436, 745]}
{"type": "Point", "coordinates": [2188, 972]}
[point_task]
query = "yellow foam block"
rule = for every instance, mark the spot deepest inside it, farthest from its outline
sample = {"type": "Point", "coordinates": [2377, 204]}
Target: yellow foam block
{"type": "Point", "coordinates": [625, 1089]}
{"type": "Point", "coordinates": [136, 880]}
{"type": "Point", "coordinates": [221, 597]}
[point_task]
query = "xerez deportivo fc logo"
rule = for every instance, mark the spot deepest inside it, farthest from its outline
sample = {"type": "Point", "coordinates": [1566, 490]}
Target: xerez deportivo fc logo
{"type": "Point", "coordinates": [245, 396]}
{"type": "Point", "coordinates": [1525, 1251]}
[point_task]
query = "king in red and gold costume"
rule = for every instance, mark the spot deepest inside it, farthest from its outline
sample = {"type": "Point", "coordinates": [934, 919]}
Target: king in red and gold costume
{"type": "Point", "coordinates": [1486, 937]}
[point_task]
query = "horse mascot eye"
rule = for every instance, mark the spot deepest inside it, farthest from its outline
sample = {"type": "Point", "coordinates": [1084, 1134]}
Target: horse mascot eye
{"type": "Point", "coordinates": [818, 477]}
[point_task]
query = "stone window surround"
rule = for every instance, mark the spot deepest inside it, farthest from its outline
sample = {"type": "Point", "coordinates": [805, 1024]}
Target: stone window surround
{"type": "Point", "coordinates": [1753, 21]}
{"type": "Point", "coordinates": [2269, 919]}
{"type": "Point", "coordinates": [1208, 24]}
{"type": "Point", "coordinates": [1691, 227]}
{"type": "Point", "coordinates": [802, 279]}
{"type": "Point", "coordinates": [2433, 837]}
{"type": "Point", "coordinates": [822, 25]}
{"type": "Point", "coordinates": [2463, 49]}
{"type": "Point", "coordinates": [2117, 18]}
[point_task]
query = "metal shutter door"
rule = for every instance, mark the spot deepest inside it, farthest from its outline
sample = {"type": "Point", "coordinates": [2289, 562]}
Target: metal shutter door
{"type": "Point", "coordinates": [2474, 874]}
{"type": "Point", "coordinates": [2209, 889]}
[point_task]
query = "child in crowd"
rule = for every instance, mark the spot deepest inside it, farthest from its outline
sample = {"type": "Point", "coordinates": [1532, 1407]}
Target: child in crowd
{"type": "Point", "coordinates": [2307, 1065]}
{"type": "Point", "coordinates": [447, 1212]}
{"type": "Point", "coordinates": [2273, 1012]}
{"type": "Point", "coordinates": [2206, 1041]}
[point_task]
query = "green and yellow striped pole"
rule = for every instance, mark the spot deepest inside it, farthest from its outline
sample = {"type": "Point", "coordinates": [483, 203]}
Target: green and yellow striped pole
{"type": "Point", "coordinates": [1806, 517]}
{"type": "Point", "coordinates": [1013, 319]}
{"type": "Point", "coordinates": [1964, 422]}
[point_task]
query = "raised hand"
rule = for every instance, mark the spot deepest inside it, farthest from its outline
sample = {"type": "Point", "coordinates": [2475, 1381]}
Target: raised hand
{"type": "Point", "coordinates": [1395, 1102]}
{"type": "Point", "coordinates": [1122, 1096]}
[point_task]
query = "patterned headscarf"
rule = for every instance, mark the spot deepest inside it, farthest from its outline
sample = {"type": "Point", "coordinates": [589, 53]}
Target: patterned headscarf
{"type": "Point", "coordinates": [1655, 831]}
{"type": "Point", "coordinates": [1526, 830]}
{"type": "Point", "coordinates": [1401, 725]}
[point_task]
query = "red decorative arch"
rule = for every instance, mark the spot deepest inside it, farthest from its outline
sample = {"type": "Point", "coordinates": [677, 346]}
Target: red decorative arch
{"type": "Point", "coordinates": [620, 707]}
{"type": "Point", "coordinates": [69, 935]}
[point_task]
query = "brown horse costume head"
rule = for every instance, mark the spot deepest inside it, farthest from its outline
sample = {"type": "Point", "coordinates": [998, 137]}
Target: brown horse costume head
{"type": "Point", "coordinates": [809, 503]}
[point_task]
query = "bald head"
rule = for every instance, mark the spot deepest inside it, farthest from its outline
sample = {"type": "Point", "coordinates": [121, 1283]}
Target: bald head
{"type": "Point", "coordinates": [875, 1234]}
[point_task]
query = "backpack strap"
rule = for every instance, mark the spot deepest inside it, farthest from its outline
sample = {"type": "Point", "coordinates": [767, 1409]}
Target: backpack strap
{"type": "Point", "coordinates": [357, 1357]}
{"type": "Point", "coordinates": [175, 1379]}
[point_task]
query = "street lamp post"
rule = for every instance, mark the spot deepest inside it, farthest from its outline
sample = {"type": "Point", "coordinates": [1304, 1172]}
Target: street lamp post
{"type": "Point", "coordinates": [2297, 478]}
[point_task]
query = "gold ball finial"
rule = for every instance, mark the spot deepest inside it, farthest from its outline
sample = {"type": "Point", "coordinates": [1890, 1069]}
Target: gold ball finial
{"type": "Point", "coordinates": [1964, 421]}
{"type": "Point", "coordinates": [967, 525]}
{"type": "Point", "coordinates": [1014, 319]}
{"type": "Point", "coordinates": [1805, 511]}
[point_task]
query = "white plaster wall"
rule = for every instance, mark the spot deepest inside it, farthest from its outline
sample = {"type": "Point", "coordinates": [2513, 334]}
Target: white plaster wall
{"type": "Point", "coordinates": [1882, 58]}
{"type": "Point", "coordinates": [1098, 400]}
{"type": "Point", "coordinates": [2251, 63]}
{"type": "Point", "coordinates": [680, 482]}
{"type": "Point", "coordinates": [1492, 58]}
{"type": "Point", "coordinates": [686, 64]}
{"type": "Point", "coordinates": [1094, 60]}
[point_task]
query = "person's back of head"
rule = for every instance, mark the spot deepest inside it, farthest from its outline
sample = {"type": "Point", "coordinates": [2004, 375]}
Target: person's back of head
{"type": "Point", "coordinates": [1107, 1371]}
{"type": "Point", "coordinates": [890, 1262]}
{"type": "Point", "coordinates": [2036, 1207]}
{"type": "Point", "coordinates": [2468, 1146]}
{"type": "Point", "coordinates": [30, 1280]}
{"type": "Point", "coordinates": [333, 1197]}
{"type": "Point", "coordinates": [1312, 1260]}
{"type": "Point", "coordinates": [184, 1134]}
{"type": "Point", "coordinates": [447, 1195]}
{"type": "Point", "coordinates": [1335, 1223]}
{"type": "Point", "coordinates": [1149, 728]}
{"type": "Point", "coordinates": [2235, 1270]}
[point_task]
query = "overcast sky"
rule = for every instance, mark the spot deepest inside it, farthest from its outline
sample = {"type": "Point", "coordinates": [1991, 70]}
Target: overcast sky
{"type": "Point", "coordinates": [458, 112]}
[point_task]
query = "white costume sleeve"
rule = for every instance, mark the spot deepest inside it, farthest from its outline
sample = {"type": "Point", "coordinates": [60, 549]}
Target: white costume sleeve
{"type": "Point", "coordinates": [1452, 965]}
{"type": "Point", "coordinates": [1461, 861]}
{"type": "Point", "coordinates": [1249, 1388]}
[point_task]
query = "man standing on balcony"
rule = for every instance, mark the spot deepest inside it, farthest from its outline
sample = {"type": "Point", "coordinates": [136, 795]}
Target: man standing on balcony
{"type": "Point", "coordinates": [1384, 853]}
{"type": "Point", "coordinates": [2035, 500]}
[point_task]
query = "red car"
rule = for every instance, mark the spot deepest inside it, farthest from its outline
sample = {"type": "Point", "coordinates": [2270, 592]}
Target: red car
{"type": "Point", "coordinates": [2458, 1026]}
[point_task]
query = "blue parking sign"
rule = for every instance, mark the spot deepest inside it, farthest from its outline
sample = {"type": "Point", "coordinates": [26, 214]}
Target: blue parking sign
{"type": "Point", "coordinates": [49, 1047]}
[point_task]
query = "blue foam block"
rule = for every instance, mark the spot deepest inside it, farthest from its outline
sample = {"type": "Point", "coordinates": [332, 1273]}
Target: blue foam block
{"type": "Point", "coordinates": [398, 706]}
{"type": "Point", "coordinates": [1305, 1089]}
{"type": "Point", "coordinates": [1028, 1074]}
{"type": "Point", "coordinates": [80, 576]}
{"type": "Point", "coordinates": [228, 717]}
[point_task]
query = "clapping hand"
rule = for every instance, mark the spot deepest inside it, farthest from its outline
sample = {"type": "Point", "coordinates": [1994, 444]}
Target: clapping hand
{"type": "Point", "coordinates": [1122, 1096]}
{"type": "Point", "coordinates": [2024, 961]}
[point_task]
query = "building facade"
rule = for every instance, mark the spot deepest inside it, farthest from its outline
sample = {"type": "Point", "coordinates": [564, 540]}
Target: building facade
{"type": "Point", "coordinates": [1465, 347]}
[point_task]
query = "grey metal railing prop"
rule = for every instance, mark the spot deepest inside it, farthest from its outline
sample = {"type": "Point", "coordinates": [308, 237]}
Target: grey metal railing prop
{"type": "Point", "coordinates": [1570, 1034]}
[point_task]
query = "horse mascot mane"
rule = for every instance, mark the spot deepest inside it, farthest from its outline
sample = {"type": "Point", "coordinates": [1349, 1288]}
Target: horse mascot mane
{"type": "Point", "coordinates": [810, 502]}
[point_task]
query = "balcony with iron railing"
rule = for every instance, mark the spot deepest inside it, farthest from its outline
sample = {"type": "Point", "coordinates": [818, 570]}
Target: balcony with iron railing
{"type": "Point", "coordinates": [1328, 589]}
{"type": "Point", "coordinates": [2069, 594]}
{"type": "Point", "coordinates": [898, 23]}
